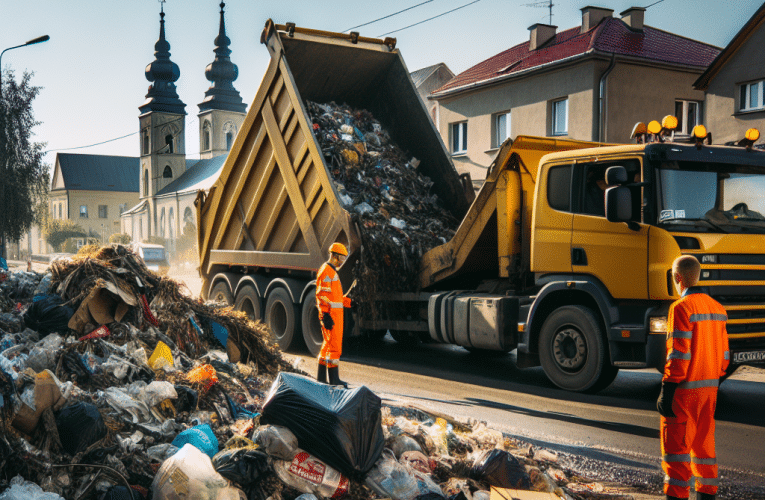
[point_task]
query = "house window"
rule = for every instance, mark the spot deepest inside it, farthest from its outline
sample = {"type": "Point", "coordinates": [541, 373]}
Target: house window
{"type": "Point", "coordinates": [84, 211]}
{"type": "Point", "coordinates": [102, 211]}
{"type": "Point", "coordinates": [229, 140]}
{"type": "Point", "coordinates": [560, 117]}
{"type": "Point", "coordinates": [459, 137]}
{"type": "Point", "coordinates": [206, 136]}
{"type": "Point", "coordinates": [501, 128]}
{"type": "Point", "coordinates": [80, 243]}
{"type": "Point", "coordinates": [688, 114]}
{"type": "Point", "coordinates": [751, 96]}
{"type": "Point", "coordinates": [167, 173]}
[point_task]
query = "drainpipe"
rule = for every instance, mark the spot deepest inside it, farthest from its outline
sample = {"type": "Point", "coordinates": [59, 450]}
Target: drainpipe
{"type": "Point", "coordinates": [602, 100]}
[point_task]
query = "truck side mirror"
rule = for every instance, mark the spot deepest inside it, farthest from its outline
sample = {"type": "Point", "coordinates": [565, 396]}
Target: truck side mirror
{"type": "Point", "coordinates": [616, 176]}
{"type": "Point", "coordinates": [619, 204]}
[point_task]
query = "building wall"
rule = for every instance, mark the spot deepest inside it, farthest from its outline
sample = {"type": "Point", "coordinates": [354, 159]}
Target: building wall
{"type": "Point", "coordinates": [172, 228]}
{"type": "Point", "coordinates": [103, 226]}
{"type": "Point", "coordinates": [643, 93]}
{"type": "Point", "coordinates": [436, 80]}
{"type": "Point", "coordinates": [724, 119]}
{"type": "Point", "coordinates": [58, 202]}
{"type": "Point", "coordinates": [529, 101]}
{"type": "Point", "coordinates": [220, 123]}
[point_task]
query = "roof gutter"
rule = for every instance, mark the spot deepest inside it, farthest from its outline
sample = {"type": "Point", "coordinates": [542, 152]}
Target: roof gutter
{"type": "Point", "coordinates": [602, 101]}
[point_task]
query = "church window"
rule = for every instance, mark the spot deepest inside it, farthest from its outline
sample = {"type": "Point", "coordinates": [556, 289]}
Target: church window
{"type": "Point", "coordinates": [169, 143]}
{"type": "Point", "coordinates": [140, 229]}
{"type": "Point", "coordinates": [206, 136]}
{"type": "Point", "coordinates": [188, 216]}
{"type": "Point", "coordinates": [145, 142]}
{"type": "Point", "coordinates": [171, 220]}
{"type": "Point", "coordinates": [168, 173]}
{"type": "Point", "coordinates": [146, 183]}
{"type": "Point", "coordinates": [229, 140]}
{"type": "Point", "coordinates": [59, 210]}
{"type": "Point", "coordinates": [162, 223]}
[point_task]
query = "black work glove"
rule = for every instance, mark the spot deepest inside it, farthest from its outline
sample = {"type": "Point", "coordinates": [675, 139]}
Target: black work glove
{"type": "Point", "coordinates": [326, 320]}
{"type": "Point", "coordinates": [664, 403]}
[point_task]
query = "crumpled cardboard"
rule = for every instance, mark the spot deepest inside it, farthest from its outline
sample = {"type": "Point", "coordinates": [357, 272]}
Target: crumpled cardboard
{"type": "Point", "coordinates": [510, 494]}
{"type": "Point", "coordinates": [47, 395]}
{"type": "Point", "coordinates": [105, 304]}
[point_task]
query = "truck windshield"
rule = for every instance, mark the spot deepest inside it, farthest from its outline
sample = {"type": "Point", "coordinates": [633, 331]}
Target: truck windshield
{"type": "Point", "coordinates": [711, 197]}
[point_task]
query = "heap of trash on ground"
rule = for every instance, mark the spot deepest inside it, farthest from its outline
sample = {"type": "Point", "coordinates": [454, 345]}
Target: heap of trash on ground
{"type": "Point", "coordinates": [116, 384]}
{"type": "Point", "coordinates": [397, 217]}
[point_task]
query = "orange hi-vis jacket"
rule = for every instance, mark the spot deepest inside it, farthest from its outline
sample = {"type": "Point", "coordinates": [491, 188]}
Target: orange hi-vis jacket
{"type": "Point", "coordinates": [330, 299]}
{"type": "Point", "coordinates": [697, 356]}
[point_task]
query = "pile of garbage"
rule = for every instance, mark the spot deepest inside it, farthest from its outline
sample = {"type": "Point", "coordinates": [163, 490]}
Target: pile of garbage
{"type": "Point", "coordinates": [397, 217]}
{"type": "Point", "coordinates": [116, 385]}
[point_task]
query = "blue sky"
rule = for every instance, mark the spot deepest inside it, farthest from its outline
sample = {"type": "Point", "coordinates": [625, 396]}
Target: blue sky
{"type": "Point", "coordinates": [92, 69]}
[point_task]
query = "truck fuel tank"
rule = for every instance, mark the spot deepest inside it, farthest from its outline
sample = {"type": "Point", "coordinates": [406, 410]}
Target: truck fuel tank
{"type": "Point", "coordinates": [474, 320]}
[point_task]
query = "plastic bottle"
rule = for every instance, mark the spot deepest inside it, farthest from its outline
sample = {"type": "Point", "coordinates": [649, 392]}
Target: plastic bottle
{"type": "Point", "coordinates": [308, 474]}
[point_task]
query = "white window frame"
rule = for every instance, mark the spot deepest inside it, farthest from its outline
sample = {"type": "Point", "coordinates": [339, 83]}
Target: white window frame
{"type": "Point", "coordinates": [83, 213]}
{"type": "Point", "coordinates": [745, 95]}
{"type": "Point", "coordinates": [499, 138]}
{"type": "Point", "coordinates": [458, 133]}
{"type": "Point", "coordinates": [684, 127]}
{"type": "Point", "coordinates": [553, 113]}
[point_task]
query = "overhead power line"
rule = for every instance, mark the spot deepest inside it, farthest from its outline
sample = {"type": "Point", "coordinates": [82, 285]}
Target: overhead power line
{"type": "Point", "coordinates": [390, 15]}
{"type": "Point", "coordinates": [429, 19]}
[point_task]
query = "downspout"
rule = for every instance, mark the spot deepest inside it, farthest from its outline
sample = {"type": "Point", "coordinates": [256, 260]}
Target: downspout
{"type": "Point", "coordinates": [602, 104]}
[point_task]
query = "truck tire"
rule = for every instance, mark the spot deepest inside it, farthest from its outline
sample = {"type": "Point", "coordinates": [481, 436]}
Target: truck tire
{"type": "Point", "coordinates": [249, 302]}
{"type": "Point", "coordinates": [311, 326]}
{"type": "Point", "coordinates": [573, 351]}
{"type": "Point", "coordinates": [281, 318]}
{"type": "Point", "coordinates": [222, 293]}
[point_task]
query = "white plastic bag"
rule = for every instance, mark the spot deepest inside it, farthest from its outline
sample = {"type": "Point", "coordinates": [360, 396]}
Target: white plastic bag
{"type": "Point", "coordinates": [277, 441]}
{"type": "Point", "coordinates": [189, 475]}
{"type": "Point", "coordinates": [156, 392]}
{"type": "Point", "coordinates": [25, 490]}
{"type": "Point", "coordinates": [120, 401]}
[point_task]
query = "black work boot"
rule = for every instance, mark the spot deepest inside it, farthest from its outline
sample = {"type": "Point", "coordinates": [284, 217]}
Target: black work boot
{"type": "Point", "coordinates": [705, 496]}
{"type": "Point", "coordinates": [321, 375]}
{"type": "Point", "coordinates": [670, 497]}
{"type": "Point", "coordinates": [334, 376]}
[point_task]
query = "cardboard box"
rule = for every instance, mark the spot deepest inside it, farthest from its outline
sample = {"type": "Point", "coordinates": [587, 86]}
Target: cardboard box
{"type": "Point", "coordinates": [509, 494]}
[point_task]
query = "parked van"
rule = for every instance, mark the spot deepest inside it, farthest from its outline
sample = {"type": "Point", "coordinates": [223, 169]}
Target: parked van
{"type": "Point", "coordinates": [153, 255]}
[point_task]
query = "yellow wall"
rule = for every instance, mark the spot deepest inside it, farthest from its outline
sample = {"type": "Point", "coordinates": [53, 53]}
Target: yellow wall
{"type": "Point", "coordinates": [104, 227]}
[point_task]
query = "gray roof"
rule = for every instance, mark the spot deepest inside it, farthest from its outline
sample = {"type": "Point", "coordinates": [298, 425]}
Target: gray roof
{"type": "Point", "coordinates": [419, 76]}
{"type": "Point", "coordinates": [201, 175]}
{"type": "Point", "coordinates": [100, 172]}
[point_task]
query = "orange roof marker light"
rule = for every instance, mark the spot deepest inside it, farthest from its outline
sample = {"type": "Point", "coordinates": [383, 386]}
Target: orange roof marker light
{"type": "Point", "coordinates": [639, 132]}
{"type": "Point", "coordinates": [654, 127]}
{"type": "Point", "coordinates": [669, 122]}
{"type": "Point", "coordinates": [699, 134]}
{"type": "Point", "coordinates": [751, 136]}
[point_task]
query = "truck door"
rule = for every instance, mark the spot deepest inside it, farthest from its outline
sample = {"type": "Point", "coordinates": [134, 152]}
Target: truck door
{"type": "Point", "coordinates": [552, 222]}
{"type": "Point", "coordinates": [611, 252]}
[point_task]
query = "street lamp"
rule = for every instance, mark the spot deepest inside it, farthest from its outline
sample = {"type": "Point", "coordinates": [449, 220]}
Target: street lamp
{"type": "Point", "coordinates": [33, 41]}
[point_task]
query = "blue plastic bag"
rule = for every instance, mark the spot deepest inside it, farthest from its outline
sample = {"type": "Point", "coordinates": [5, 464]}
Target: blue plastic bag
{"type": "Point", "coordinates": [201, 437]}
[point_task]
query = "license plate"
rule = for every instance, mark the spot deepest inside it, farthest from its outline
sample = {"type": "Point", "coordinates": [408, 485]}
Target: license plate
{"type": "Point", "coordinates": [748, 357]}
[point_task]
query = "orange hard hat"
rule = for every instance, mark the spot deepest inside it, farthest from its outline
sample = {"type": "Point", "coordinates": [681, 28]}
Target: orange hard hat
{"type": "Point", "coordinates": [338, 248]}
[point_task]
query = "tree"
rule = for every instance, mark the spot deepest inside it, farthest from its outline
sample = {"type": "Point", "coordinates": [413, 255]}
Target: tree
{"type": "Point", "coordinates": [59, 230]}
{"type": "Point", "coordinates": [122, 238]}
{"type": "Point", "coordinates": [23, 176]}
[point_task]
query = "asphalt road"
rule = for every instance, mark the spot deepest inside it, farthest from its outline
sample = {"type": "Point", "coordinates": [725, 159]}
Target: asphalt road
{"type": "Point", "coordinates": [619, 425]}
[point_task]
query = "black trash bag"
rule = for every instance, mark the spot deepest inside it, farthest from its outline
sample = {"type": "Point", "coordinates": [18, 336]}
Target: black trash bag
{"type": "Point", "coordinates": [342, 427]}
{"type": "Point", "coordinates": [49, 315]}
{"type": "Point", "coordinates": [79, 426]}
{"type": "Point", "coordinates": [244, 466]}
{"type": "Point", "coordinates": [500, 468]}
{"type": "Point", "coordinates": [187, 399]}
{"type": "Point", "coordinates": [121, 493]}
{"type": "Point", "coordinates": [74, 365]}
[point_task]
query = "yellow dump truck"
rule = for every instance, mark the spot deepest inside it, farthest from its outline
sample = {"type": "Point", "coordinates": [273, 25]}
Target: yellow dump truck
{"type": "Point", "coordinates": [564, 254]}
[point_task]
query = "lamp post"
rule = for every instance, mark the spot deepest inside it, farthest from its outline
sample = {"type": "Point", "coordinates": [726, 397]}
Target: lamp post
{"type": "Point", "coordinates": [33, 41]}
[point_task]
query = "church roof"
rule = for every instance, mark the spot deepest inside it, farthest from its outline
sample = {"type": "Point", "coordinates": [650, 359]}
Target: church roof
{"type": "Point", "coordinates": [201, 176]}
{"type": "Point", "coordinates": [222, 73]}
{"type": "Point", "coordinates": [99, 172]}
{"type": "Point", "coordinates": [163, 73]}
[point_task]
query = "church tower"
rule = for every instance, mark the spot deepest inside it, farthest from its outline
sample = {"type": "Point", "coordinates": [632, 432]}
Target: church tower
{"type": "Point", "coordinates": [222, 112]}
{"type": "Point", "coordinates": [162, 123]}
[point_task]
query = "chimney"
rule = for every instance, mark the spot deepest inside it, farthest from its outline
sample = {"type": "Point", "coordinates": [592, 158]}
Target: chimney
{"type": "Point", "coordinates": [591, 16]}
{"type": "Point", "coordinates": [633, 17]}
{"type": "Point", "coordinates": [540, 34]}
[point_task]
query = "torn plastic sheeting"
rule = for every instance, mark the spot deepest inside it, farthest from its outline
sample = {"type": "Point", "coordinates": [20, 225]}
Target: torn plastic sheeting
{"type": "Point", "coordinates": [243, 466]}
{"type": "Point", "coordinates": [342, 427]}
{"type": "Point", "coordinates": [278, 441]}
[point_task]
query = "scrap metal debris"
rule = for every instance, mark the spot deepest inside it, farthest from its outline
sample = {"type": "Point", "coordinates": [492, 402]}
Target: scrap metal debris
{"type": "Point", "coordinates": [397, 217]}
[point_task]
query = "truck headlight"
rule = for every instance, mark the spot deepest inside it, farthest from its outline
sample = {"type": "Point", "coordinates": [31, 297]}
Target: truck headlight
{"type": "Point", "coordinates": [657, 324]}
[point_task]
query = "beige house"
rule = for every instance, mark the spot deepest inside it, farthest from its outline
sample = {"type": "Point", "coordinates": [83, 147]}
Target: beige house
{"type": "Point", "coordinates": [591, 82]}
{"type": "Point", "coordinates": [428, 79]}
{"type": "Point", "coordinates": [93, 190]}
{"type": "Point", "coordinates": [734, 84]}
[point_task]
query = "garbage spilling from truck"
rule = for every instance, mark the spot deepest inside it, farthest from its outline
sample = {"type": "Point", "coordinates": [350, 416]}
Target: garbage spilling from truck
{"type": "Point", "coordinates": [114, 384]}
{"type": "Point", "coordinates": [397, 216]}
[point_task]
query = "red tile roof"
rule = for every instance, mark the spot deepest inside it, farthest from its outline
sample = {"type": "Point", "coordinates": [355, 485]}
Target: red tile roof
{"type": "Point", "coordinates": [610, 36]}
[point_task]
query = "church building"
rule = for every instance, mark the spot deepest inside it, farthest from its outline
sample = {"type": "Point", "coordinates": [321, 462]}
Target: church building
{"type": "Point", "coordinates": [169, 182]}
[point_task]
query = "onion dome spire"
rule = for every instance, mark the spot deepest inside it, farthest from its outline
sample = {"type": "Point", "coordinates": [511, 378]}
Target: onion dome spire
{"type": "Point", "coordinates": [163, 73]}
{"type": "Point", "coordinates": [222, 73]}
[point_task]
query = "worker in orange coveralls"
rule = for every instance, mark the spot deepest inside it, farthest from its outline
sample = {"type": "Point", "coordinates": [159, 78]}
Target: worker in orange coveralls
{"type": "Point", "coordinates": [331, 301]}
{"type": "Point", "coordinates": [697, 356]}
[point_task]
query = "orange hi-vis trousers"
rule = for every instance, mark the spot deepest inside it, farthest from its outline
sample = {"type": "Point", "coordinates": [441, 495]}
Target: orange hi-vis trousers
{"type": "Point", "coordinates": [330, 299]}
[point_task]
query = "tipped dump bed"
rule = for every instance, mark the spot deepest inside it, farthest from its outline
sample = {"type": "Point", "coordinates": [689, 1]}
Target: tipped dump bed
{"type": "Point", "coordinates": [275, 204]}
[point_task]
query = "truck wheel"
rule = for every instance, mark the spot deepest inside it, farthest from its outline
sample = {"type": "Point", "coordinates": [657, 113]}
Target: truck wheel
{"type": "Point", "coordinates": [281, 318]}
{"type": "Point", "coordinates": [311, 326]}
{"type": "Point", "coordinates": [222, 293]}
{"type": "Point", "coordinates": [573, 352]}
{"type": "Point", "coordinates": [248, 301]}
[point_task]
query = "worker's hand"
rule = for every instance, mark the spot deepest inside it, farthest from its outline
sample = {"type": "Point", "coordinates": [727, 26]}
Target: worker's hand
{"type": "Point", "coordinates": [327, 321]}
{"type": "Point", "coordinates": [666, 396]}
